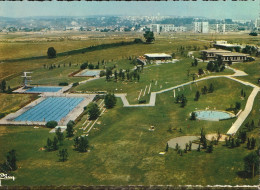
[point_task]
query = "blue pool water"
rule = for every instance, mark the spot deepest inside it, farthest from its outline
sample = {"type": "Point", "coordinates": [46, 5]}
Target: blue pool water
{"type": "Point", "coordinates": [52, 108]}
{"type": "Point", "coordinates": [90, 73]}
{"type": "Point", "coordinates": [44, 89]}
{"type": "Point", "coordinates": [212, 115]}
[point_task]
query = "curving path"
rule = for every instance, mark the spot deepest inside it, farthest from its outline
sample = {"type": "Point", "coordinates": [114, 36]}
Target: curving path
{"type": "Point", "coordinates": [242, 116]}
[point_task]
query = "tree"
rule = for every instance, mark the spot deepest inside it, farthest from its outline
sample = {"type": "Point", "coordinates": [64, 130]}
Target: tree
{"type": "Point", "coordinates": [248, 144]}
{"type": "Point", "coordinates": [203, 139]}
{"type": "Point", "coordinates": [49, 144]}
{"type": "Point", "coordinates": [83, 144]}
{"type": "Point", "coordinates": [190, 145]}
{"type": "Point", "coordinates": [211, 88]}
{"type": "Point", "coordinates": [93, 111]}
{"type": "Point", "coordinates": [200, 71]}
{"type": "Point", "coordinates": [167, 147]}
{"type": "Point", "coordinates": [76, 143]}
{"type": "Point", "coordinates": [242, 136]}
{"type": "Point", "coordinates": [110, 100]}
{"type": "Point", "coordinates": [210, 148]}
{"type": "Point", "coordinates": [183, 102]}
{"type": "Point", "coordinates": [51, 52]}
{"type": "Point", "coordinates": [238, 105]}
{"type": "Point", "coordinates": [197, 96]}
{"type": "Point", "coordinates": [55, 144]}
{"type": "Point", "coordinates": [63, 155]}
{"type": "Point", "coordinates": [11, 160]}
{"type": "Point", "coordinates": [253, 141]}
{"type": "Point", "coordinates": [251, 163]}
{"type": "Point", "coordinates": [59, 135]}
{"type": "Point", "coordinates": [70, 129]}
{"type": "Point", "coordinates": [198, 148]}
{"type": "Point", "coordinates": [149, 36]}
{"type": "Point", "coordinates": [204, 90]}
{"type": "Point", "coordinates": [3, 85]}
{"type": "Point", "coordinates": [108, 73]}
{"type": "Point", "coordinates": [193, 116]}
{"type": "Point", "coordinates": [115, 74]}
{"type": "Point", "coordinates": [210, 66]}
{"type": "Point", "coordinates": [84, 66]}
{"type": "Point", "coordinates": [51, 124]}
{"type": "Point", "coordinates": [177, 147]}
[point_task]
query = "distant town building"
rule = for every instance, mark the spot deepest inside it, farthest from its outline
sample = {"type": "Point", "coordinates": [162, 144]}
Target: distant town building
{"type": "Point", "coordinates": [166, 28]}
{"type": "Point", "coordinates": [201, 27]}
{"type": "Point", "coordinates": [257, 23]}
{"type": "Point", "coordinates": [220, 28]}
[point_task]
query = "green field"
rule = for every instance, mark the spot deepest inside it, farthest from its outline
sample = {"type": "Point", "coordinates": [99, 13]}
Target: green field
{"type": "Point", "coordinates": [122, 149]}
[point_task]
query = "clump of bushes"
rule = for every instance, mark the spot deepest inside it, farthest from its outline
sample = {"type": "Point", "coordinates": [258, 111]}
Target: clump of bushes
{"type": "Point", "coordinates": [142, 101]}
{"type": "Point", "coordinates": [75, 84]}
{"type": "Point", "coordinates": [51, 124]}
{"type": "Point", "coordinates": [63, 84]}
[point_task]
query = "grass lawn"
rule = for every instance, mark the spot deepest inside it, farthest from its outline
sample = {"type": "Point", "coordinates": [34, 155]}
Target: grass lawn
{"type": "Point", "coordinates": [12, 102]}
{"type": "Point", "coordinates": [251, 68]}
{"type": "Point", "coordinates": [166, 75]}
{"type": "Point", "coordinates": [124, 151]}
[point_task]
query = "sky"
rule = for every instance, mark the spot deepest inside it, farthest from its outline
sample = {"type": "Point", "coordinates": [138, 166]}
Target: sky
{"type": "Point", "coordinates": [220, 9]}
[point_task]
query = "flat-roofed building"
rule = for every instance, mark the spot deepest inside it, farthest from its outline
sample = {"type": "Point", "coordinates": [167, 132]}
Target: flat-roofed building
{"type": "Point", "coordinates": [157, 56]}
{"type": "Point", "coordinates": [225, 45]}
{"type": "Point", "coordinates": [210, 54]}
{"type": "Point", "coordinates": [232, 56]}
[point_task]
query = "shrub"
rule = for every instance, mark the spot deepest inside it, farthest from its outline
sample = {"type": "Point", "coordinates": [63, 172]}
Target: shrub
{"type": "Point", "coordinates": [63, 84]}
{"type": "Point", "coordinates": [84, 66]}
{"type": "Point", "coordinates": [51, 124]}
{"type": "Point", "coordinates": [2, 115]}
{"type": "Point", "coordinates": [142, 101]}
{"type": "Point", "coordinates": [75, 84]}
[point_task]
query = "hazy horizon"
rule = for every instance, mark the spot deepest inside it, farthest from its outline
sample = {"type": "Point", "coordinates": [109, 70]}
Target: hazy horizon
{"type": "Point", "coordinates": [244, 10]}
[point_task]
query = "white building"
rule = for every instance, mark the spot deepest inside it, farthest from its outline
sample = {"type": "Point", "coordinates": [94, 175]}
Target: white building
{"type": "Point", "coordinates": [162, 28]}
{"type": "Point", "coordinates": [257, 23]}
{"type": "Point", "coordinates": [201, 27]}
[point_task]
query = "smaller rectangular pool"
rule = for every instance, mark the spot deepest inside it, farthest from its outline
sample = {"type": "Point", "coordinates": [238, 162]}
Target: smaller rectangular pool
{"type": "Point", "coordinates": [38, 89]}
{"type": "Point", "coordinates": [90, 73]}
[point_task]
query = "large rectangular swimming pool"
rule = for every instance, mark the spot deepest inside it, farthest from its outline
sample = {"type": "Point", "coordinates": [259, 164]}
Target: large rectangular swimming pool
{"type": "Point", "coordinates": [38, 89]}
{"type": "Point", "coordinates": [51, 108]}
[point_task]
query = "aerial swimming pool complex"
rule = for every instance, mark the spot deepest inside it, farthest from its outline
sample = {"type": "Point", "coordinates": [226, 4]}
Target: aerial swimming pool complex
{"type": "Point", "coordinates": [51, 108]}
{"type": "Point", "coordinates": [39, 89]}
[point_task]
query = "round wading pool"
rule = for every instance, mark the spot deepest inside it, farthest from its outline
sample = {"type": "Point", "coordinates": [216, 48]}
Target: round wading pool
{"type": "Point", "coordinates": [213, 115]}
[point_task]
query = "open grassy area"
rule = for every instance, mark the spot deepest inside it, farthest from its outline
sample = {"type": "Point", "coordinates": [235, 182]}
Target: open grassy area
{"type": "Point", "coordinates": [251, 68]}
{"type": "Point", "coordinates": [166, 75]}
{"type": "Point", "coordinates": [125, 152]}
{"type": "Point", "coordinates": [12, 102]}
{"type": "Point", "coordinates": [122, 149]}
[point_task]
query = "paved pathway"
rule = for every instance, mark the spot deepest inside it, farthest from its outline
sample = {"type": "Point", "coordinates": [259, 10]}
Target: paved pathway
{"type": "Point", "coordinates": [243, 115]}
